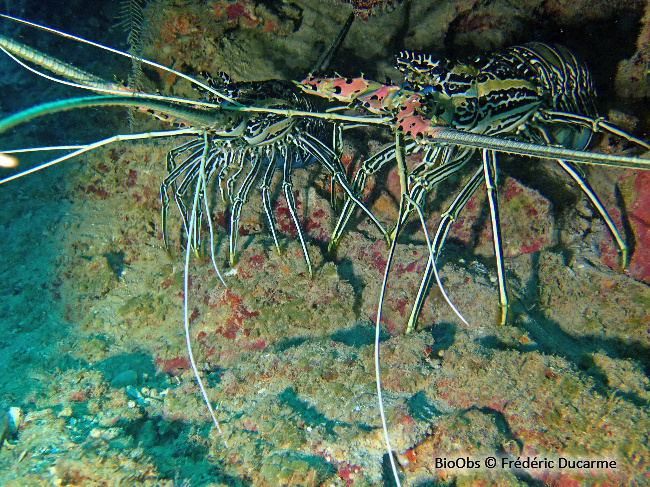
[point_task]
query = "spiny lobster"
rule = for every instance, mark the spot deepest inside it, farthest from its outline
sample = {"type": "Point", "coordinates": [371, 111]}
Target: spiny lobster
{"type": "Point", "coordinates": [524, 101]}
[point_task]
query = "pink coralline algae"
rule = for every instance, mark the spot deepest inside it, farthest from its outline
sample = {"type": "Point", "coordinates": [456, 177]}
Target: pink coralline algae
{"type": "Point", "coordinates": [635, 193]}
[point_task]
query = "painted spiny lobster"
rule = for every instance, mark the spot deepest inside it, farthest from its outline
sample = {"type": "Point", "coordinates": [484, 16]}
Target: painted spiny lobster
{"type": "Point", "coordinates": [242, 130]}
{"type": "Point", "coordinates": [535, 93]}
{"type": "Point", "coordinates": [533, 97]}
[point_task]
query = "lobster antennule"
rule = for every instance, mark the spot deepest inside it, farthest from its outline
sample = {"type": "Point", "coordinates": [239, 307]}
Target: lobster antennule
{"type": "Point", "coordinates": [82, 78]}
{"type": "Point", "coordinates": [121, 53]}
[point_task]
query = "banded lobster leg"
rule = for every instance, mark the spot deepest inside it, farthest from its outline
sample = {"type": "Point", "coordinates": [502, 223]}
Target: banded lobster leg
{"type": "Point", "coordinates": [228, 160]}
{"type": "Point", "coordinates": [190, 164]}
{"type": "Point", "coordinates": [438, 164]}
{"type": "Point", "coordinates": [488, 173]}
{"type": "Point", "coordinates": [369, 167]}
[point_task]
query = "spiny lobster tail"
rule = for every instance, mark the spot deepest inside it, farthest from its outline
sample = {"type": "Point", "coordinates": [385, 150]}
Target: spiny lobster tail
{"type": "Point", "coordinates": [566, 85]}
{"type": "Point", "coordinates": [279, 94]}
{"type": "Point", "coordinates": [567, 80]}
